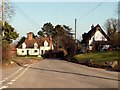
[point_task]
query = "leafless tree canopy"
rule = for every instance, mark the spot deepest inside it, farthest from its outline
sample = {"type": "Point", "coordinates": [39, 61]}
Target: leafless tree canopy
{"type": "Point", "coordinates": [111, 26]}
{"type": "Point", "coordinates": [113, 31]}
{"type": "Point", "coordinates": [9, 10]}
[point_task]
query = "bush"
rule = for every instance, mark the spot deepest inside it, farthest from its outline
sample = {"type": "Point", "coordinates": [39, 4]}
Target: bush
{"type": "Point", "coordinates": [53, 54]}
{"type": "Point", "coordinates": [6, 56]}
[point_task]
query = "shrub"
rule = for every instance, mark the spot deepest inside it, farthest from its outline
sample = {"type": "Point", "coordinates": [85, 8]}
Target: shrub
{"type": "Point", "coordinates": [54, 54]}
{"type": "Point", "coordinates": [6, 56]}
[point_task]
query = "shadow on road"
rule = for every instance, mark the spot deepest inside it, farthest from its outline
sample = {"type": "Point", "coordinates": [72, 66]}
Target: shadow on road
{"type": "Point", "coordinates": [65, 72]}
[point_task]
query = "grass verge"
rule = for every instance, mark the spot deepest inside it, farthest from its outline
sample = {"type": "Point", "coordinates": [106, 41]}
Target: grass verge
{"type": "Point", "coordinates": [99, 57]}
{"type": "Point", "coordinates": [108, 60]}
{"type": "Point", "coordinates": [20, 61]}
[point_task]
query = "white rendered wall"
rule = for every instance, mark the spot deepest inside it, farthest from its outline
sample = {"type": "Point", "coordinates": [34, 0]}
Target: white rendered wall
{"type": "Point", "coordinates": [98, 36]}
{"type": "Point", "coordinates": [31, 51]}
{"type": "Point", "coordinates": [44, 49]}
{"type": "Point", "coordinates": [19, 51]}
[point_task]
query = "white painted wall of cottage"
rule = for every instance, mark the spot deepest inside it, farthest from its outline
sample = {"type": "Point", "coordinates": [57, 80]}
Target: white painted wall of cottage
{"type": "Point", "coordinates": [41, 50]}
{"type": "Point", "coordinates": [44, 48]}
{"type": "Point", "coordinates": [98, 36]}
{"type": "Point", "coordinates": [31, 51]}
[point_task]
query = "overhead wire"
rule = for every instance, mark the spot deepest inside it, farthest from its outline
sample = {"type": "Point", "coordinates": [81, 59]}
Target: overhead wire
{"type": "Point", "coordinates": [26, 16]}
{"type": "Point", "coordinates": [91, 10]}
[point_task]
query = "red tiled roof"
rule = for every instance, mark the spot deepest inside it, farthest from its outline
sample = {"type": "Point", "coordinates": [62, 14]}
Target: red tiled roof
{"type": "Point", "coordinates": [39, 41]}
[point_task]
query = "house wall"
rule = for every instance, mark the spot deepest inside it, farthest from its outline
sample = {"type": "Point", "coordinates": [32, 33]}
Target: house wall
{"type": "Point", "coordinates": [44, 49]}
{"type": "Point", "coordinates": [32, 51]}
{"type": "Point", "coordinates": [27, 51]}
{"type": "Point", "coordinates": [35, 50]}
{"type": "Point", "coordinates": [98, 36]}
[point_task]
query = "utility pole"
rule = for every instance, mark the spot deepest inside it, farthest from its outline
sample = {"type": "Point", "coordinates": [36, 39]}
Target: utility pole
{"type": "Point", "coordinates": [75, 28]}
{"type": "Point", "coordinates": [3, 18]}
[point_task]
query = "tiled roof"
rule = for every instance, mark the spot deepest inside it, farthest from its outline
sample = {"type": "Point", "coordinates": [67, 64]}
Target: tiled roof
{"type": "Point", "coordinates": [39, 41]}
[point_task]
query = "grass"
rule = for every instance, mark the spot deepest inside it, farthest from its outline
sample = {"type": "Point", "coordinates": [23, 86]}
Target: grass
{"type": "Point", "coordinates": [99, 57]}
{"type": "Point", "coordinates": [20, 60]}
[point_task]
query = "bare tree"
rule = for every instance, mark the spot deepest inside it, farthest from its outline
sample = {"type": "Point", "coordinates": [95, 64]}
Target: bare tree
{"type": "Point", "coordinates": [118, 16]}
{"type": "Point", "coordinates": [112, 28]}
{"type": "Point", "coordinates": [7, 12]}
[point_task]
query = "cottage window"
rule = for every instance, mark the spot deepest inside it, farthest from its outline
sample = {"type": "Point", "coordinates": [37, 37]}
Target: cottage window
{"type": "Point", "coordinates": [45, 43]}
{"type": "Point", "coordinates": [35, 45]}
{"type": "Point", "coordinates": [35, 51]}
{"type": "Point", "coordinates": [22, 51]}
{"type": "Point", "coordinates": [23, 45]}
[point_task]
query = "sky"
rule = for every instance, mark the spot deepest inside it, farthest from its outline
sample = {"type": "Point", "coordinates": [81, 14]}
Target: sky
{"type": "Point", "coordinates": [31, 16]}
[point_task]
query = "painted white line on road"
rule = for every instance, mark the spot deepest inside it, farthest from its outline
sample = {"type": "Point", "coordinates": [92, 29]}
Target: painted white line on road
{"type": "Point", "coordinates": [25, 64]}
{"type": "Point", "coordinates": [13, 80]}
{"type": "Point", "coordinates": [10, 83]}
{"type": "Point", "coordinates": [3, 87]}
{"type": "Point", "coordinates": [22, 73]}
{"type": "Point", "coordinates": [13, 74]}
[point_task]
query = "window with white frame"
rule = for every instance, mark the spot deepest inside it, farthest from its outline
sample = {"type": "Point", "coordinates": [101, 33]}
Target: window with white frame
{"type": "Point", "coordinates": [35, 45]}
{"type": "Point", "coordinates": [23, 45]}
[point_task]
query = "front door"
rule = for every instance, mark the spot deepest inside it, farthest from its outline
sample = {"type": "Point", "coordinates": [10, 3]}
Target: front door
{"type": "Point", "coordinates": [27, 52]}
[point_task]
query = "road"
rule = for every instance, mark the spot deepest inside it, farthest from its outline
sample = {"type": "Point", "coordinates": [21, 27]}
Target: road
{"type": "Point", "coordinates": [50, 73]}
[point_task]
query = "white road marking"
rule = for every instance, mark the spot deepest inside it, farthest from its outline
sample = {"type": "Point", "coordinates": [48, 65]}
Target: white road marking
{"type": "Point", "coordinates": [10, 83]}
{"type": "Point", "coordinates": [3, 87]}
{"type": "Point", "coordinates": [13, 80]}
{"type": "Point", "coordinates": [21, 73]}
{"type": "Point", "coordinates": [13, 74]}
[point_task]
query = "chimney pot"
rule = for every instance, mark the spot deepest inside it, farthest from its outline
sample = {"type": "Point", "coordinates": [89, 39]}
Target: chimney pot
{"type": "Point", "coordinates": [92, 26]}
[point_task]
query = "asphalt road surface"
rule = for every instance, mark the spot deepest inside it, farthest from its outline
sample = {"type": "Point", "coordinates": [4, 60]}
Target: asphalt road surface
{"type": "Point", "coordinates": [50, 73]}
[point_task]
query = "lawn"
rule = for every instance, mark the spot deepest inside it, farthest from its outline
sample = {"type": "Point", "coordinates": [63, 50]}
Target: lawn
{"type": "Point", "coordinates": [99, 57]}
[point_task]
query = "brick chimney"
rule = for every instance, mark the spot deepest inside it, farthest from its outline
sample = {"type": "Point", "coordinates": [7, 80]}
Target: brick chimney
{"type": "Point", "coordinates": [92, 26]}
{"type": "Point", "coordinates": [30, 35]}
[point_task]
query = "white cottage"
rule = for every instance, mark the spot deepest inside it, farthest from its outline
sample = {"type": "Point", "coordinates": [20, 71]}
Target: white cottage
{"type": "Point", "coordinates": [34, 46]}
{"type": "Point", "coordinates": [95, 39]}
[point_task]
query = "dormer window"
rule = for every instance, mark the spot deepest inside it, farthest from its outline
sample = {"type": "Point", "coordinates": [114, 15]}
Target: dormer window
{"type": "Point", "coordinates": [45, 43]}
{"type": "Point", "coordinates": [35, 45]}
{"type": "Point", "coordinates": [23, 45]}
